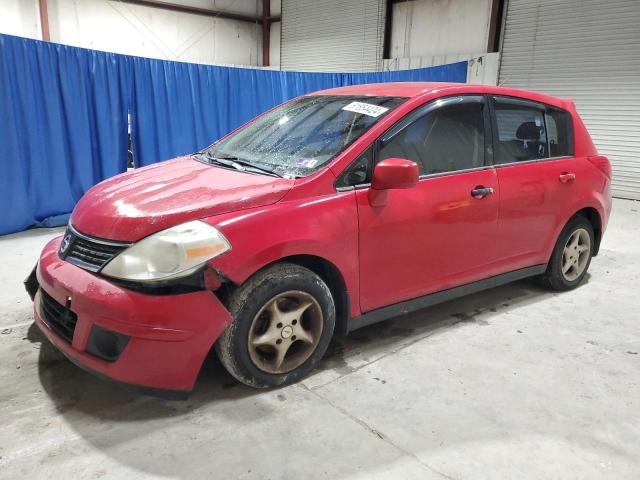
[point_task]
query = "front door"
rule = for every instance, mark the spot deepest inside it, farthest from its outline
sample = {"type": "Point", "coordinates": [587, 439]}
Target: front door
{"type": "Point", "coordinates": [441, 233]}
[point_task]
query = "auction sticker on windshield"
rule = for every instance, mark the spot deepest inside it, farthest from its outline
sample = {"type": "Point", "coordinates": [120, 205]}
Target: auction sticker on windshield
{"type": "Point", "coordinates": [365, 108]}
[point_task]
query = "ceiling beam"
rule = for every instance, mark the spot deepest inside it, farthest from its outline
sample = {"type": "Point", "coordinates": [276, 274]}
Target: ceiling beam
{"type": "Point", "coordinates": [200, 11]}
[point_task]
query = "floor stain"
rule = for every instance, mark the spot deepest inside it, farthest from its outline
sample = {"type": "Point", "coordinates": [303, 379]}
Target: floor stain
{"type": "Point", "coordinates": [464, 317]}
{"type": "Point", "coordinates": [468, 317]}
{"type": "Point", "coordinates": [338, 364]}
{"type": "Point", "coordinates": [401, 331]}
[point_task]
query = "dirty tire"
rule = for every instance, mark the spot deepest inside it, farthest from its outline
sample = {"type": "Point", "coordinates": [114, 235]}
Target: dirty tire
{"type": "Point", "coordinates": [246, 304]}
{"type": "Point", "coordinates": [554, 278]}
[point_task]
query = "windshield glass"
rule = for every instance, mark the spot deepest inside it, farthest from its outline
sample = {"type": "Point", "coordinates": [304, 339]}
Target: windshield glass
{"type": "Point", "coordinates": [299, 137]}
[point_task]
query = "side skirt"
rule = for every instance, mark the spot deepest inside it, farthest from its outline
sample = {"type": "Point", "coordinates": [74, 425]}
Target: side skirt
{"type": "Point", "coordinates": [397, 309]}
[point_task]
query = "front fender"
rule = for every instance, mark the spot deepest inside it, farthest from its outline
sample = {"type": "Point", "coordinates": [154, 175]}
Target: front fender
{"type": "Point", "coordinates": [325, 226]}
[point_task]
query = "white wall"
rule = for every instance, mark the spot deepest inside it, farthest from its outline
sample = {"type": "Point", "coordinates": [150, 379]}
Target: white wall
{"type": "Point", "coordinates": [149, 32]}
{"type": "Point", "coordinates": [20, 17]}
{"type": "Point", "coordinates": [483, 69]}
{"type": "Point", "coordinates": [275, 32]}
{"type": "Point", "coordinates": [424, 32]}
{"type": "Point", "coordinates": [276, 7]}
{"type": "Point", "coordinates": [274, 44]}
{"type": "Point", "coordinates": [439, 27]}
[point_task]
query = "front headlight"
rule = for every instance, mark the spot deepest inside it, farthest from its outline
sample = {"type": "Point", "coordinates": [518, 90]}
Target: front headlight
{"type": "Point", "coordinates": [172, 253]}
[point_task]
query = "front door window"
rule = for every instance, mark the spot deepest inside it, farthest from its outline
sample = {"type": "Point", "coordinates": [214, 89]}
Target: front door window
{"type": "Point", "coordinates": [447, 139]}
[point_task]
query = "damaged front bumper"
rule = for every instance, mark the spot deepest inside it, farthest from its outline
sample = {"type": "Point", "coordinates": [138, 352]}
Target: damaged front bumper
{"type": "Point", "coordinates": [154, 342]}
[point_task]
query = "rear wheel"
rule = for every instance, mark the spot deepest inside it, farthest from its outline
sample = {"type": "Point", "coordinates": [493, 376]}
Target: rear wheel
{"type": "Point", "coordinates": [283, 321]}
{"type": "Point", "coordinates": [571, 256]}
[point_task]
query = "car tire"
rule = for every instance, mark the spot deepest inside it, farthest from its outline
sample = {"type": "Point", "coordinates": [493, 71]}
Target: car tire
{"type": "Point", "coordinates": [283, 308]}
{"type": "Point", "coordinates": [571, 256]}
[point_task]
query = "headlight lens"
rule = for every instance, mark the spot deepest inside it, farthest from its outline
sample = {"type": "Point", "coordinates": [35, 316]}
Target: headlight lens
{"type": "Point", "coordinates": [171, 253]}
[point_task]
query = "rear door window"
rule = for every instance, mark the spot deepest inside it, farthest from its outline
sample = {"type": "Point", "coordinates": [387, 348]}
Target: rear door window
{"type": "Point", "coordinates": [521, 133]}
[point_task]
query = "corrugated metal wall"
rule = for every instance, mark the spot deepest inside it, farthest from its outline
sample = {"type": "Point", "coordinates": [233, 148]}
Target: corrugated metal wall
{"type": "Point", "coordinates": [587, 50]}
{"type": "Point", "coordinates": [332, 35]}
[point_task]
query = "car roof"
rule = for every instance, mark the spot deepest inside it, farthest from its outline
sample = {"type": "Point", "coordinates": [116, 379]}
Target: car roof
{"type": "Point", "coordinates": [391, 89]}
{"type": "Point", "coordinates": [415, 89]}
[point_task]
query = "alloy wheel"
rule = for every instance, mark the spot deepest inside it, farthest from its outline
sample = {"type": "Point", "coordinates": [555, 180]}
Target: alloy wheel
{"type": "Point", "coordinates": [575, 255]}
{"type": "Point", "coordinates": [285, 332]}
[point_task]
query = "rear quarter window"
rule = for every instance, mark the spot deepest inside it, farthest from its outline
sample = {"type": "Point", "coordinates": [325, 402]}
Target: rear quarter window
{"type": "Point", "coordinates": [559, 132]}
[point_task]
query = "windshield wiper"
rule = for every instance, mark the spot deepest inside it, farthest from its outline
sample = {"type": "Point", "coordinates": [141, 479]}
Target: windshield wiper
{"type": "Point", "coordinates": [245, 164]}
{"type": "Point", "coordinates": [239, 164]}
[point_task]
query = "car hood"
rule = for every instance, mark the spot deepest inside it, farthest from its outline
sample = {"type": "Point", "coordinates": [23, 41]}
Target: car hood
{"type": "Point", "coordinates": [138, 203]}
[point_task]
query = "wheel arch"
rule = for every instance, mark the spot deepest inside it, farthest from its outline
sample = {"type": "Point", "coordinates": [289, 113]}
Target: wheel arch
{"type": "Point", "coordinates": [332, 276]}
{"type": "Point", "coordinates": [584, 209]}
{"type": "Point", "coordinates": [593, 216]}
{"type": "Point", "coordinates": [327, 271]}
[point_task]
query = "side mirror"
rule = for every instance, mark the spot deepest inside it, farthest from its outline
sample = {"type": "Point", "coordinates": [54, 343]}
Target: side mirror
{"type": "Point", "coordinates": [392, 173]}
{"type": "Point", "coordinates": [395, 173]}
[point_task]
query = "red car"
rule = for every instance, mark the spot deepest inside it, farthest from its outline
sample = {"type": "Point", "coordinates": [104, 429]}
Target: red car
{"type": "Point", "coordinates": [332, 211]}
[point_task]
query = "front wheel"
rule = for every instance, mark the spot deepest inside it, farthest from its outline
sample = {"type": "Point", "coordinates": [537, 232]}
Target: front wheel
{"type": "Point", "coordinates": [571, 256]}
{"type": "Point", "coordinates": [284, 318]}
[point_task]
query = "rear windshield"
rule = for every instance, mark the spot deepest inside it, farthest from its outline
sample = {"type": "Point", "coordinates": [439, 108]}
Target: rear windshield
{"type": "Point", "coordinates": [299, 137]}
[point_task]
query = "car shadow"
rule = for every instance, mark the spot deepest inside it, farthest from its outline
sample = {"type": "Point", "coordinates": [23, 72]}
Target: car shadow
{"type": "Point", "coordinates": [70, 387]}
{"type": "Point", "coordinates": [366, 344]}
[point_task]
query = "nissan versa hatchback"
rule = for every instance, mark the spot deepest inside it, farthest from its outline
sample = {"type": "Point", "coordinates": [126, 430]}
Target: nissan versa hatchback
{"type": "Point", "coordinates": [333, 211]}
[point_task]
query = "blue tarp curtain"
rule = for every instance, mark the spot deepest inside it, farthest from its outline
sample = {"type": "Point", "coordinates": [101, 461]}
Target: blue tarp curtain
{"type": "Point", "coordinates": [63, 116]}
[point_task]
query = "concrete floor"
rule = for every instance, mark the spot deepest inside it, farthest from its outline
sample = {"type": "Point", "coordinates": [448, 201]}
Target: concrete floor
{"type": "Point", "coordinates": [515, 382]}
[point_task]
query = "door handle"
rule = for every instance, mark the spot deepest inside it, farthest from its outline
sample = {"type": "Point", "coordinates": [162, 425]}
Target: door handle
{"type": "Point", "coordinates": [566, 177]}
{"type": "Point", "coordinates": [481, 192]}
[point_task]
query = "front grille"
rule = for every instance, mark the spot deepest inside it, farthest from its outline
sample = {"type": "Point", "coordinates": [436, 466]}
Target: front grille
{"type": "Point", "coordinates": [59, 318]}
{"type": "Point", "coordinates": [88, 253]}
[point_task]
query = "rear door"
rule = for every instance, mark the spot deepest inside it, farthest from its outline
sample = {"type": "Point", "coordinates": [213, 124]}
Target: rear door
{"type": "Point", "coordinates": [441, 233]}
{"type": "Point", "coordinates": [536, 172]}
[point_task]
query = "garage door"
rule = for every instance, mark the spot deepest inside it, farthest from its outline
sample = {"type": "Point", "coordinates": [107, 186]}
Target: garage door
{"type": "Point", "coordinates": [587, 50]}
{"type": "Point", "coordinates": [332, 35]}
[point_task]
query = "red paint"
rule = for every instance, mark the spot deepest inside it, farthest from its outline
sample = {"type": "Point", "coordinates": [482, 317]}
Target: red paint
{"type": "Point", "coordinates": [428, 238]}
{"type": "Point", "coordinates": [393, 245]}
{"type": "Point", "coordinates": [138, 203]}
{"type": "Point", "coordinates": [392, 173]}
{"type": "Point", "coordinates": [395, 173]}
{"type": "Point", "coordinates": [602, 163]}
